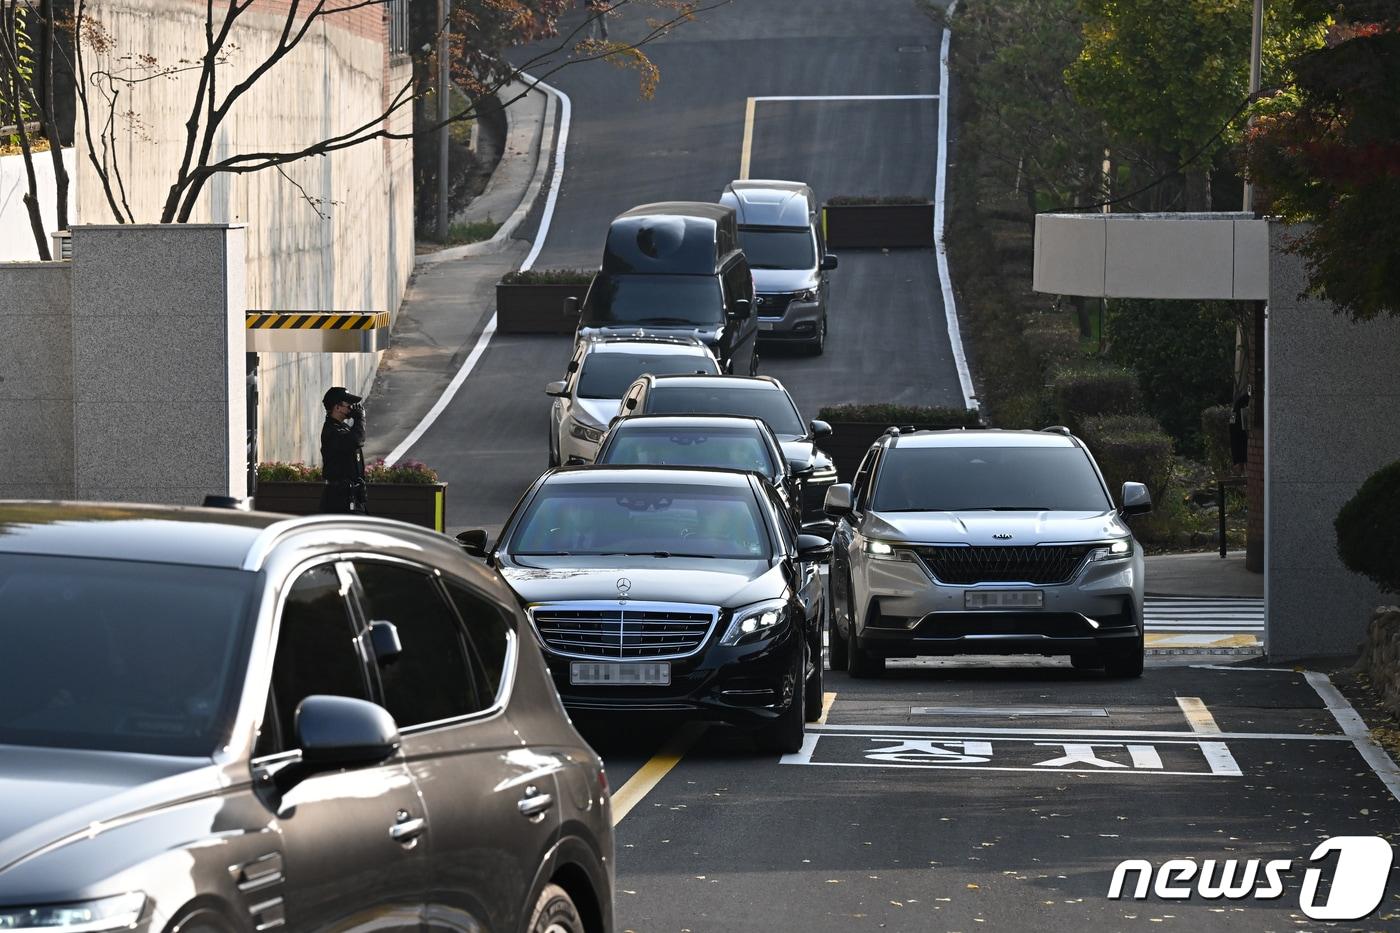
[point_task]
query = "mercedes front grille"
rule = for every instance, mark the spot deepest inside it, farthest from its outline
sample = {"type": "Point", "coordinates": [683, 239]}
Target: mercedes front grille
{"type": "Point", "coordinates": [624, 630]}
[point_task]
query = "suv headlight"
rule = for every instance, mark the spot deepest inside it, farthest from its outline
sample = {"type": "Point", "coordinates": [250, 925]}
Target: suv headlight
{"type": "Point", "coordinates": [875, 549]}
{"type": "Point", "coordinates": [1113, 550]}
{"type": "Point", "coordinates": [108, 913]}
{"type": "Point", "coordinates": [584, 433]}
{"type": "Point", "coordinates": [809, 294]}
{"type": "Point", "coordinates": [755, 623]}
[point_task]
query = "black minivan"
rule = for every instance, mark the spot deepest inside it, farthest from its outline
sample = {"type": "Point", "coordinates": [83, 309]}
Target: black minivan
{"type": "Point", "coordinates": [676, 268]}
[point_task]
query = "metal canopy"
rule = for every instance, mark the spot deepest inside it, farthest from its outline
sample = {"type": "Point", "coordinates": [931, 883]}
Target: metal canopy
{"type": "Point", "coordinates": [317, 332]}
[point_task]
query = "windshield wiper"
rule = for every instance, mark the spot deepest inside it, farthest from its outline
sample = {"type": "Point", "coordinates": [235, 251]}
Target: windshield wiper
{"type": "Point", "coordinates": [666, 320]}
{"type": "Point", "coordinates": [653, 554]}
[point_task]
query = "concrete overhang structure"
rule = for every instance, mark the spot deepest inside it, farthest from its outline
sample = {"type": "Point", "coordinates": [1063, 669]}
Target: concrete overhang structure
{"type": "Point", "coordinates": [1188, 256]}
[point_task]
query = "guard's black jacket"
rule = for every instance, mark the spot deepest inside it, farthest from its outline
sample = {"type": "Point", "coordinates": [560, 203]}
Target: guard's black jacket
{"type": "Point", "coordinates": [343, 464]}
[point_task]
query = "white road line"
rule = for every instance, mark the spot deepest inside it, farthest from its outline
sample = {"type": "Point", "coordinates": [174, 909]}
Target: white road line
{"type": "Point", "coordinates": [986, 732]}
{"type": "Point", "coordinates": [803, 756]}
{"type": "Point", "coordinates": [1007, 711]}
{"type": "Point", "coordinates": [890, 764]}
{"type": "Point", "coordinates": [940, 248]}
{"type": "Point", "coordinates": [1197, 714]}
{"type": "Point", "coordinates": [1221, 761]}
{"type": "Point", "coordinates": [800, 97]}
{"type": "Point", "coordinates": [482, 342]}
{"type": "Point", "coordinates": [1355, 727]}
{"type": "Point", "coordinates": [1236, 668]}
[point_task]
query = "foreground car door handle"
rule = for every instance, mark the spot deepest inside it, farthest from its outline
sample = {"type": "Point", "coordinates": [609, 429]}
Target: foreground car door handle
{"type": "Point", "coordinates": [534, 803]}
{"type": "Point", "coordinates": [407, 829]}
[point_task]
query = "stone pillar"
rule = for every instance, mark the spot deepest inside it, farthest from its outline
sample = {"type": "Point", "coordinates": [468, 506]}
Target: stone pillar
{"type": "Point", "coordinates": [36, 381]}
{"type": "Point", "coordinates": [159, 401]}
{"type": "Point", "coordinates": [1254, 457]}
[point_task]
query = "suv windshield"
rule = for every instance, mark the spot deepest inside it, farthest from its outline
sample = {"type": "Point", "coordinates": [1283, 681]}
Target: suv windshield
{"type": "Point", "coordinates": [119, 655]}
{"type": "Point", "coordinates": [962, 479]}
{"type": "Point", "coordinates": [778, 247]}
{"type": "Point", "coordinates": [729, 448]}
{"type": "Point", "coordinates": [764, 401]}
{"type": "Point", "coordinates": [654, 299]}
{"type": "Point", "coordinates": [661, 519]}
{"type": "Point", "coordinates": [607, 375]}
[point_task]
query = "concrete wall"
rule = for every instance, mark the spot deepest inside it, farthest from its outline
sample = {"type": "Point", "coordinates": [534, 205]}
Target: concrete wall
{"type": "Point", "coordinates": [16, 238]}
{"type": "Point", "coordinates": [1333, 418]}
{"type": "Point", "coordinates": [331, 233]}
{"type": "Point", "coordinates": [36, 381]}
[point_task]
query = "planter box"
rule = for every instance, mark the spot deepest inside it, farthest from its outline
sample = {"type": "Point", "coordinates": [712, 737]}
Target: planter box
{"type": "Point", "coordinates": [422, 504]}
{"type": "Point", "coordinates": [859, 226]}
{"type": "Point", "coordinates": [536, 309]}
{"type": "Point", "coordinates": [850, 440]}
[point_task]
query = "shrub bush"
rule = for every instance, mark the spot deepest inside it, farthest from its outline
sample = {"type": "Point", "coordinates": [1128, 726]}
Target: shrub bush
{"type": "Point", "coordinates": [1031, 409]}
{"type": "Point", "coordinates": [1368, 536]}
{"type": "Point", "coordinates": [1215, 439]}
{"type": "Point", "coordinates": [884, 413]}
{"type": "Point", "coordinates": [846, 199]}
{"type": "Point", "coordinates": [1130, 448]}
{"type": "Point", "coordinates": [1093, 389]}
{"type": "Point", "coordinates": [1053, 339]}
{"type": "Point", "coordinates": [276, 471]}
{"type": "Point", "coordinates": [547, 277]}
{"type": "Point", "coordinates": [376, 471]}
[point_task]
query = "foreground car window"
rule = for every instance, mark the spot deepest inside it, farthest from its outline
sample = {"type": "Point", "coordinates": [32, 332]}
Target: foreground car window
{"type": "Point", "coordinates": [771, 405]}
{"type": "Point", "coordinates": [727, 449]}
{"type": "Point", "coordinates": [121, 655]}
{"type": "Point", "coordinates": [607, 375]}
{"type": "Point", "coordinates": [682, 521]}
{"type": "Point", "coordinates": [960, 479]}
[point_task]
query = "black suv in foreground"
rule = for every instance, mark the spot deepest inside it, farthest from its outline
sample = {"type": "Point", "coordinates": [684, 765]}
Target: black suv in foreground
{"type": "Point", "coordinates": [221, 721]}
{"type": "Point", "coordinates": [670, 589]}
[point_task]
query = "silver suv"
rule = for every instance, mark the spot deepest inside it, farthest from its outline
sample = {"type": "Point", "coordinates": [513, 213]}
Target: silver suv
{"type": "Point", "coordinates": [984, 542]}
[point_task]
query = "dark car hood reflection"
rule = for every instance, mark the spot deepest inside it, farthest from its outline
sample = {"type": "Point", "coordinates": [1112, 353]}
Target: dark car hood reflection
{"type": "Point", "coordinates": [707, 581]}
{"type": "Point", "coordinates": [50, 793]}
{"type": "Point", "coordinates": [802, 454]}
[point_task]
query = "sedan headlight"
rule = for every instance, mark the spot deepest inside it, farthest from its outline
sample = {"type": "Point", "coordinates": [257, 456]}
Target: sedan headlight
{"type": "Point", "coordinates": [755, 623]}
{"type": "Point", "coordinates": [876, 549]}
{"type": "Point", "coordinates": [108, 913]}
{"type": "Point", "coordinates": [584, 433]}
{"type": "Point", "coordinates": [1113, 550]}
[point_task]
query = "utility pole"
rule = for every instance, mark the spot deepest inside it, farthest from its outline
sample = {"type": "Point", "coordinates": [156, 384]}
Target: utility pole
{"type": "Point", "coordinates": [443, 79]}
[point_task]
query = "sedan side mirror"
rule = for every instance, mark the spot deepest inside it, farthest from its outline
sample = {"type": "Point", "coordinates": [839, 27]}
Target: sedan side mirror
{"type": "Point", "coordinates": [473, 542]}
{"type": "Point", "coordinates": [829, 262]}
{"type": "Point", "coordinates": [336, 732]}
{"type": "Point", "coordinates": [571, 305]}
{"type": "Point", "coordinates": [838, 500]}
{"type": "Point", "coordinates": [819, 429]}
{"type": "Point", "coordinates": [575, 460]}
{"type": "Point", "coordinates": [813, 548]}
{"type": "Point", "coordinates": [741, 309]}
{"type": "Point", "coordinates": [1136, 499]}
{"type": "Point", "coordinates": [558, 388]}
{"type": "Point", "coordinates": [824, 528]}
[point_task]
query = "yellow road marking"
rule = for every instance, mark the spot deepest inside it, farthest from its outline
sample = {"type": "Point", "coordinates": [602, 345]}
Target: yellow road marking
{"type": "Point", "coordinates": [1197, 715]}
{"type": "Point", "coordinates": [1189, 640]}
{"type": "Point", "coordinates": [640, 784]}
{"type": "Point", "coordinates": [748, 138]}
{"type": "Point", "coordinates": [827, 700]}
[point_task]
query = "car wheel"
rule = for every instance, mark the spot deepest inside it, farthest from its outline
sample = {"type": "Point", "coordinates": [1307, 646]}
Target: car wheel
{"type": "Point", "coordinates": [1126, 661]}
{"type": "Point", "coordinates": [555, 912]}
{"type": "Point", "coordinates": [815, 686]}
{"type": "Point", "coordinates": [818, 345]}
{"type": "Point", "coordinates": [553, 448]}
{"type": "Point", "coordinates": [835, 641]}
{"type": "Point", "coordinates": [859, 662]}
{"type": "Point", "coordinates": [753, 363]}
{"type": "Point", "coordinates": [786, 733]}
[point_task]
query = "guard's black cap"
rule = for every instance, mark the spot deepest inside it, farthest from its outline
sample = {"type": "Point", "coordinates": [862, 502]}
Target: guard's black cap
{"type": "Point", "coordinates": [338, 394]}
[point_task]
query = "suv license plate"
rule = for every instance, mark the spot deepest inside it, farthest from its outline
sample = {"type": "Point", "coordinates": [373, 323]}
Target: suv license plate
{"type": "Point", "coordinates": [1004, 599]}
{"type": "Point", "coordinates": [650, 674]}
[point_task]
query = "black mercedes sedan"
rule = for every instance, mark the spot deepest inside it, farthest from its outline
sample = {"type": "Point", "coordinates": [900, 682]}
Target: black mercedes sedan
{"type": "Point", "coordinates": [225, 722]}
{"type": "Point", "coordinates": [670, 589]}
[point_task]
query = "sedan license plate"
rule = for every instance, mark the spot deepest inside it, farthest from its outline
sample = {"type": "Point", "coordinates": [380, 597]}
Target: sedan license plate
{"type": "Point", "coordinates": [1004, 599]}
{"type": "Point", "coordinates": [648, 674]}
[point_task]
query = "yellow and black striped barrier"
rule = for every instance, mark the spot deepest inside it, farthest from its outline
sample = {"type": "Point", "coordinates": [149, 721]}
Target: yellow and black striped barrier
{"type": "Point", "coordinates": [317, 331]}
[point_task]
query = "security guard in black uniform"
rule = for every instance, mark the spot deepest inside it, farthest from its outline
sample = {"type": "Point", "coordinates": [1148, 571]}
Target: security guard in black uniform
{"type": "Point", "coordinates": [342, 452]}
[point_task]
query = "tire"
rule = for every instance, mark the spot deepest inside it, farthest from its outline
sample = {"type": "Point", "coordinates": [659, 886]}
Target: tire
{"type": "Point", "coordinates": [859, 662]}
{"type": "Point", "coordinates": [818, 344]}
{"type": "Point", "coordinates": [835, 641]}
{"type": "Point", "coordinates": [553, 448]}
{"type": "Point", "coordinates": [1125, 662]}
{"type": "Point", "coordinates": [753, 362]}
{"type": "Point", "coordinates": [785, 734]}
{"type": "Point", "coordinates": [814, 687]}
{"type": "Point", "coordinates": [555, 912]}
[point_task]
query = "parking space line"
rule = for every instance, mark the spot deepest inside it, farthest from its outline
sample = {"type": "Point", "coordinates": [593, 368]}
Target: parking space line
{"type": "Point", "coordinates": [1357, 731]}
{"type": "Point", "coordinates": [1222, 763]}
{"type": "Point", "coordinates": [650, 774]}
{"type": "Point", "coordinates": [1197, 714]}
{"type": "Point", "coordinates": [827, 700]}
{"type": "Point", "coordinates": [748, 137]}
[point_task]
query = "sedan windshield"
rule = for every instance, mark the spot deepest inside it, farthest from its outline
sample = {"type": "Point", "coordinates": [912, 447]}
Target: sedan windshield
{"type": "Point", "coordinates": [733, 448]}
{"type": "Point", "coordinates": [778, 247]}
{"type": "Point", "coordinates": [645, 519]}
{"type": "Point", "coordinates": [119, 655]}
{"type": "Point", "coordinates": [607, 375]}
{"type": "Point", "coordinates": [654, 299]}
{"type": "Point", "coordinates": [764, 401]}
{"type": "Point", "coordinates": [967, 479]}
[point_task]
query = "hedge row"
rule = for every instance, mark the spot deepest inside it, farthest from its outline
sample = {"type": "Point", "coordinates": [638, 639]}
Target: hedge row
{"type": "Point", "coordinates": [1087, 389]}
{"type": "Point", "coordinates": [902, 414]}
{"type": "Point", "coordinates": [1130, 448]}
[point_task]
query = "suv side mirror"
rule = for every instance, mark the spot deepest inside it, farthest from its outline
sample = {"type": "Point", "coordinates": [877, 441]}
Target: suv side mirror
{"type": "Point", "coordinates": [838, 500]}
{"type": "Point", "coordinates": [1136, 499]}
{"type": "Point", "coordinates": [819, 429]}
{"type": "Point", "coordinates": [813, 548]}
{"type": "Point", "coordinates": [558, 388]}
{"type": "Point", "coordinates": [829, 262]}
{"type": "Point", "coordinates": [473, 542]}
{"type": "Point", "coordinates": [571, 305]}
{"type": "Point", "coordinates": [384, 639]}
{"type": "Point", "coordinates": [338, 732]}
{"type": "Point", "coordinates": [741, 309]}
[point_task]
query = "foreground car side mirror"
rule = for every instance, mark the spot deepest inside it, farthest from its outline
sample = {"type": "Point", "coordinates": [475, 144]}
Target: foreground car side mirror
{"type": "Point", "coordinates": [558, 388]}
{"type": "Point", "coordinates": [384, 639]}
{"type": "Point", "coordinates": [1136, 499]}
{"type": "Point", "coordinates": [575, 460]}
{"type": "Point", "coordinates": [338, 732]}
{"type": "Point", "coordinates": [838, 500]}
{"type": "Point", "coordinates": [829, 262]}
{"type": "Point", "coordinates": [819, 429]}
{"type": "Point", "coordinates": [473, 542]}
{"type": "Point", "coordinates": [740, 310]}
{"type": "Point", "coordinates": [824, 528]}
{"type": "Point", "coordinates": [813, 548]}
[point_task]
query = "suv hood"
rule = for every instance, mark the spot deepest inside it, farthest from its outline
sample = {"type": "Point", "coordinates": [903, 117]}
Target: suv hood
{"type": "Point", "coordinates": [706, 581]}
{"type": "Point", "coordinates": [978, 527]}
{"type": "Point", "coordinates": [596, 411]}
{"type": "Point", "coordinates": [709, 334]}
{"type": "Point", "coordinates": [784, 280]}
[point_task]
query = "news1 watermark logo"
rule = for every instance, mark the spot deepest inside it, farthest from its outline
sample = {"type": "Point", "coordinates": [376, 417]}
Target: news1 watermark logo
{"type": "Point", "coordinates": [1358, 879]}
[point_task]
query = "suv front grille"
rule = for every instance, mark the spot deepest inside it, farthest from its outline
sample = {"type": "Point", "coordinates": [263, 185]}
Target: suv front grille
{"type": "Point", "coordinates": [1045, 564]}
{"type": "Point", "coordinates": [774, 305]}
{"type": "Point", "coordinates": [613, 629]}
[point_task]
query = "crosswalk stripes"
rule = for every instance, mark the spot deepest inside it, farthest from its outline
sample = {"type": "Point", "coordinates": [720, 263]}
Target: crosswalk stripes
{"type": "Point", "coordinates": [1191, 614]}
